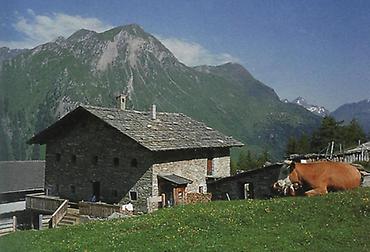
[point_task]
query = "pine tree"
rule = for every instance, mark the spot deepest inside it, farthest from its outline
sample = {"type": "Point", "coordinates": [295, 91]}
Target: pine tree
{"type": "Point", "coordinates": [291, 147]}
{"type": "Point", "coordinates": [326, 133]}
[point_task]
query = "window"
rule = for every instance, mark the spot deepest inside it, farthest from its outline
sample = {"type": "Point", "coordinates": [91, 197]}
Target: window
{"type": "Point", "coordinates": [133, 195]}
{"type": "Point", "coordinates": [73, 159]}
{"type": "Point", "coordinates": [200, 189]}
{"type": "Point", "coordinates": [134, 163]}
{"type": "Point", "coordinates": [57, 157]}
{"type": "Point", "coordinates": [116, 161]}
{"type": "Point", "coordinates": [209, 166]}
{"type": "Point", "coordinates": [73, 189]}
{"type": "Point", "coordinates": [95, 159]}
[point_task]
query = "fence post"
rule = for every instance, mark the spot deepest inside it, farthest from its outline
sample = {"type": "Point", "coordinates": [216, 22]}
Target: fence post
{"type": "Point", "coordinates": [14, 223]}
{"type": "Point", "coordinates": [40, 221]}
{"type": "Point", "coordinates": [163, 200]}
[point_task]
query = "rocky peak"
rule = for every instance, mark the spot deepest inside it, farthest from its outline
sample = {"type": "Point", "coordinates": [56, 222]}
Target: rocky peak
{"type": "Point", "coordinates": [300, 101]}
{"type": "Point", "coordinates": [318, 110]}
{"type": "Point", "coordinates": [81, 35]}
{"type": "Point", "coordinates": [134, 45]}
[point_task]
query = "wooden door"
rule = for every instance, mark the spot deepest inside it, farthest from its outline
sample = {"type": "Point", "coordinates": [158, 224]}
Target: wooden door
{"type": "Point", "coordinates": [209, 166]}
{"type": "Point", "coordinates": [179, 195]}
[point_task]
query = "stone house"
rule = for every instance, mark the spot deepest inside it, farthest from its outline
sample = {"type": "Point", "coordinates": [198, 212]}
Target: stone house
{"type": "Point", "coordinates": [253, 184]}
{"type": "Point", "coordinates": [118, 155]}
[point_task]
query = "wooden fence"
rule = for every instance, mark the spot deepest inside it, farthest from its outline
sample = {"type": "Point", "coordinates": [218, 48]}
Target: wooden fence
{"type": "Point", "coordinates": [97, 209]}
{"type": "Point", "coordinates": [43, 203]}
{"type": "Point", "coordinates": [8, 226]}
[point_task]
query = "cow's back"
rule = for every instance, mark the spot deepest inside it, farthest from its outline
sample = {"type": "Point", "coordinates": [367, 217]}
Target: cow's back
{"type": "Point", "coordinates": [333, 175]}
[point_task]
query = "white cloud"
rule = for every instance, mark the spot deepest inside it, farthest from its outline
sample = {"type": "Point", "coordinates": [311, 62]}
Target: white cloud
{"type": "Point", "coordinates": [194, 54]}
{"type": "Point", "coordinates": [38, 29]}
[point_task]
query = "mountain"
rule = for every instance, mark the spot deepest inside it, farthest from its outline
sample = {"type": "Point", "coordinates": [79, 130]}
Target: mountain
{"type": "Point", "coordinates": [318, 110]}
{"type": "Point", "coordinates": [357, 110]}
{"type": "Point", "coordinates": [40, 85]}
{"type": "Point", "coordinates": [7, 53]}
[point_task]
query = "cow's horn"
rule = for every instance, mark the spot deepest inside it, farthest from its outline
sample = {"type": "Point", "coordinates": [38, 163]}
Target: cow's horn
{"type": "Point", "coordinates": [288, 162]}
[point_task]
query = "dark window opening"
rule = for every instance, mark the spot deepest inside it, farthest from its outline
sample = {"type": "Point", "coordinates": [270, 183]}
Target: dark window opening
{"type": "Point", "coordinates": [96, 190]}
{"type": "Point", "coordinates": [248, 191]}
{"type": "Point", "coordinates": [95, 159]}
{"type": "Point", "coordinates": [73, 159]}
{"type": "Point", "coordinates": [133, 195]}
{"type": "Point", "coordinates": [209, 166]}
{"type": "Point", "coordinates": [114, 193]}
{"type": "Point", "coordinates": [57, 157]}
{"type": "Point", "coordinates": [134, 163]}
{"type": "Point", "coordinates": [73, 189]}
{"type": "Point", "coordinates": [200, 189]}
{"type": "Point", "coordinates": [116, 161]}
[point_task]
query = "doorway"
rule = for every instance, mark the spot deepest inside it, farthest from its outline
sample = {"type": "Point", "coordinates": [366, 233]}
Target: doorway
{"type": "Point", "coordinates": [96, 190]}
{"type": "Point", "coordinates": [174, 189]}
{"type": "Point", "coordinates": [248, 191]}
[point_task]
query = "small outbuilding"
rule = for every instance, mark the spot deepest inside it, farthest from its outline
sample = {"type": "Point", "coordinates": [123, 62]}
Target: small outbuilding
{"type": "Point", "coordinates": [253, 184]}
{"type": "Point", "coordinates": [18, 178]}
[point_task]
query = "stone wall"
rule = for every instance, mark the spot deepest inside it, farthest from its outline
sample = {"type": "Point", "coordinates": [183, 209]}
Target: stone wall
{"type": "Point", "coordinates": [221, 167]}
{"type": "Point", "coordinates": [191, 164]}
{"type": "Point", "coordinates": [92, 151]}
{"type": "Point", "coordinates": [194, 170]}
{"type": "Point", "coordinates": [261, 181]}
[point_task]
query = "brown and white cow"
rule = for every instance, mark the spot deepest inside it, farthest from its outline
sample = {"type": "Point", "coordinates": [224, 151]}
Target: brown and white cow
{"type": "Point", "coordinates": [317, 178]}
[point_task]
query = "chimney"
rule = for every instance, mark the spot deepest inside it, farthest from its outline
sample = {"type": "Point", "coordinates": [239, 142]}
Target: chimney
{"type": "Point", "coordinates": [154, 112]}
{"type": "Point", "coordinates": [121, 102]}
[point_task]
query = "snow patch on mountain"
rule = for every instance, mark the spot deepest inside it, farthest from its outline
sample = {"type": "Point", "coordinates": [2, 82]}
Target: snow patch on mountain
{"type": "Point", "coordinates": [318, 110]}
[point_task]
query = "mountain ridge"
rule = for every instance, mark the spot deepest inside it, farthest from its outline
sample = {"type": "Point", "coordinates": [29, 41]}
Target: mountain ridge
{"type": "Point", "coordinates": [41, 84]}
{"type": "Point", "coordinates": [359, 111]}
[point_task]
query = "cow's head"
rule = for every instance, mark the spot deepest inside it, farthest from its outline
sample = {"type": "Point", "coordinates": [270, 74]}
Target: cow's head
{"type": "Point", "coordinates": [287, 183]}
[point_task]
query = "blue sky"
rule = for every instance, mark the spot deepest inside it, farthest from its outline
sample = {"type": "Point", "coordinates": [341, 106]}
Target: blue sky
{"type": "Point", "coordinates": [316, 49]}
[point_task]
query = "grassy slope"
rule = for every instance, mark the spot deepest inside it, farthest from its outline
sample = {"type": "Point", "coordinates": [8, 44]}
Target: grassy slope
{"type": "Point", "coordinates": [336, 222]}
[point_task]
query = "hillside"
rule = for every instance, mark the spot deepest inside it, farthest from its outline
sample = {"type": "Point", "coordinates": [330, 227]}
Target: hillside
{"type": "Point", "coordinates": [335, 222]}
{"type": "Point", "coordinates": [7, 53]}
{"type": "Point", "coordinates": [40, 85]}
{"type": "Point", "coordinates": [357, 110]}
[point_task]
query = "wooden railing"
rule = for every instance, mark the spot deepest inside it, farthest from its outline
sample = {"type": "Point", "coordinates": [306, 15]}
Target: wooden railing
{"type": "Point", "coordinates": [97, 209]}
{"type": "Point", "coordinates": [43, 203]}
{"type": "Point", "coordinates": [8, 226]}
{"type": "Point", "coordinates": [58, 214]}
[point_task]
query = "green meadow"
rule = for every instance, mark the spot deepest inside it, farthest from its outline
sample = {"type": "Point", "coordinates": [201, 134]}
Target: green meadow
{"type": "Point", "coordinates": [335, 222]}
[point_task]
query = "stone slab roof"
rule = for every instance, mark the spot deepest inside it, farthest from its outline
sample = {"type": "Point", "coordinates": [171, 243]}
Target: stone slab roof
{"type": "Point", "coordinates": [169, 131]}
{"type": "Point", "coordinates": [175, 179]}
{"type": "Point", "coordinates": [18, 176]}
